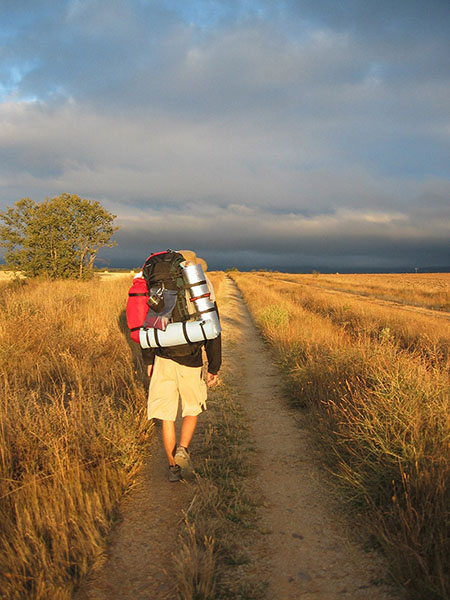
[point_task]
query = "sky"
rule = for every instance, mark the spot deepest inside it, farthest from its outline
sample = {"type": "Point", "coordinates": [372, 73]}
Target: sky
{"type": "Point", "coordinates": [291, 135]}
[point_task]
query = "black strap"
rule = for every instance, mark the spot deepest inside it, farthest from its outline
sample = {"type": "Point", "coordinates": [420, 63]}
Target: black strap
{"type": "Point", "coordinates": [135, 328]}
{"type": "Point", "coordinates": [203, 312]}
{"type": "Point", "coordinates": [198, 283]}
{"type": "Point", "coordinates": [202, 325]}
{"type": "Point", "coordinates": [156, 338]}
{"type": "Point", "coordinates": [140, 294]}
{"type": "Point", "coordinates": [185, 333]}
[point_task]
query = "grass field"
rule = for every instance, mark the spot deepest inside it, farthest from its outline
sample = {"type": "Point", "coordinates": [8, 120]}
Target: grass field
{"type": "Point", "coordinates": [72, 433]}
{"type": "Point", "coordinates": [374, 380]}
{"type": "Point", "coordinates": [73, 428]}
{"type": "Point", "coordinates": [372, 376]}
{"type": "Point", "coordinates": [430, 290]}
{"type": "Point", "coordinates": [410, 326]}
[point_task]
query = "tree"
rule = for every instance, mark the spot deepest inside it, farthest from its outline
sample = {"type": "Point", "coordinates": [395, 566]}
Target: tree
{"type": "Point", "coordinates": [59, 238]}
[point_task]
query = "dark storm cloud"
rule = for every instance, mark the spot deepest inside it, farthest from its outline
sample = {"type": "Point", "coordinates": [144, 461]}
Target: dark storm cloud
{"type": "Point", "coordinates": [344, 237]}
{"type": "Point", "coordinates": [392, 19]}
{"type": "Point", "coordinates": [240, 124]}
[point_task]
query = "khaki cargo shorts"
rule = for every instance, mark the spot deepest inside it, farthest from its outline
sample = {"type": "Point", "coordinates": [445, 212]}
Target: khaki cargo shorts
{"type": "Point", "coordinates": [171, 381]}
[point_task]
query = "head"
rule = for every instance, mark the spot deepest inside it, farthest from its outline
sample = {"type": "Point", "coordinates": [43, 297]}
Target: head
{"type": "Point", "coordinates": [191, 257]}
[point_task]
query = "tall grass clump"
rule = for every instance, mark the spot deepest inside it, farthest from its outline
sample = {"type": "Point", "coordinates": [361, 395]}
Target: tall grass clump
{"type": "Point", "coordinates": [72, 431]}
{"type": "Point", "coordinates": [383, 414]}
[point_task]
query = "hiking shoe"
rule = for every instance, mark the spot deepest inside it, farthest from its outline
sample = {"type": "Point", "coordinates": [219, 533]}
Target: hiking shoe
{"type": "Point", "coordinates": [175, 473]}
{"type": "Point", "coordinates": [183, 459]}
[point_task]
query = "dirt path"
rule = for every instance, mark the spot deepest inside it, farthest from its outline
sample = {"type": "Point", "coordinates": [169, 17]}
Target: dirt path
{"type": "Point", "coordinates": [138, 562]}
{"type": "Point", "coordinates": [304, 550]}
{"type": "Point", "coordinates": [309, 551]}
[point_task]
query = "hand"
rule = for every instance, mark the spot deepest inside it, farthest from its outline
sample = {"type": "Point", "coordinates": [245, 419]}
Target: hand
{"type": "Point", "coordinates": [149, 370]}
{"type": "Point", "coordinates": [211, 379]}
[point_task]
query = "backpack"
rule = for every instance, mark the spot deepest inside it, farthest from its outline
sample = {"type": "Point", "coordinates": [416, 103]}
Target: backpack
{"type": "Point", "coordinates": [168, 308]}
{"type": "Point", "coordinates": [162, 272]}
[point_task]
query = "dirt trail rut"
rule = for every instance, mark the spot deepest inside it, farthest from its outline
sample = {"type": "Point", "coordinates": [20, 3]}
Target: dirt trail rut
{"type": "Point", "coordinates": [138, 561]}
{"type": "Point", "coordinates": [304, 550]}
{"type": "Point", "coordinates": [309, 551]}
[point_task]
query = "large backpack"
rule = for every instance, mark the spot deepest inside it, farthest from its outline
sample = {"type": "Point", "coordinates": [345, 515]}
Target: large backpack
{"type": "Point", "coordinates": [161, 272]}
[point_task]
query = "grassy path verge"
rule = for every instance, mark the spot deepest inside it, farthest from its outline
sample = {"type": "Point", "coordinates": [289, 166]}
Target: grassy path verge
{"type": "Point", "coordinates": [213, 559]}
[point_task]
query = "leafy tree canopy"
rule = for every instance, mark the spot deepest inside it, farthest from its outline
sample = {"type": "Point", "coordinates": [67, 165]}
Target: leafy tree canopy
{"type": "Point", "coordinates": [57, 238]}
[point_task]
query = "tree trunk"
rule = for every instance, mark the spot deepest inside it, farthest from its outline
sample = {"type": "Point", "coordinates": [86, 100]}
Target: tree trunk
{"type": "Point", "coordinates": [82, 257]}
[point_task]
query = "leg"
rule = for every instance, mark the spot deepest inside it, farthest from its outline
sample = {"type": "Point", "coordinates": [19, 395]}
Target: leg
{"type": "Point", "coordinates": [187, 430]}
{"type": "Point", "coordinates": [169, 440]}
{"type": "Point", "coordinates": [193, 400]}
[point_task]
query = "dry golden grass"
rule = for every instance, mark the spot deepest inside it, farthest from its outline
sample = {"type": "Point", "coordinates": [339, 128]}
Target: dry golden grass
{"type": "Point", "coordinates": [431, 290]}
{"type": "Point", "coordinates": [9, 275]}
{"type": "Point", "coordinates": [212, 560]}
{"type": "Point", "coordinates": [216, 278]}
{"type": "Point", "coordinates": [383, 413]}
{"type": "Point", "coordinates": [73, 429]}
{"type": "Point", "coordinates": [407, 328]}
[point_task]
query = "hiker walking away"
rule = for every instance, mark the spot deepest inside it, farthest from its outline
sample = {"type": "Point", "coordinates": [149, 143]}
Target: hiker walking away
{"type": "Point", "coordinates": [176, 373]}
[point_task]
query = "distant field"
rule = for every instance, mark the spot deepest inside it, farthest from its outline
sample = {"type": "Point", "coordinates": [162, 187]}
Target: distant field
{"type": "Point", "coordinates": [430, 290]}
{"type": "Point", "coordinates": [6, 276]}
{"type": "Point", "coordinates": [108, 275]}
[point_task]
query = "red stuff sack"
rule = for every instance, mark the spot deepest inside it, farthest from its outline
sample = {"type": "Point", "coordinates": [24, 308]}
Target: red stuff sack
{"type": "Point", "coordinates": [137, 307]}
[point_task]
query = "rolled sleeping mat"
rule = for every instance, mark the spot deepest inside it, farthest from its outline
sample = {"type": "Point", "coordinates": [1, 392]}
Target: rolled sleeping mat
{"type": "Point", "coordinates": [176, 334]}
{"type": "Point", "coordinates": [199, 291]}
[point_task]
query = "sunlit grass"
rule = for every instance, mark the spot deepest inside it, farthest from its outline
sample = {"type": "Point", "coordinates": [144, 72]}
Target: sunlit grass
{"type": "Point", "coordinates": [73, 429]}
{"type": "Point", "coordinates": [427, 335]}
{"type": "Point", "coordinates": [431, 290]}
{"type": "Point", "coordinates": [382, 411]}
